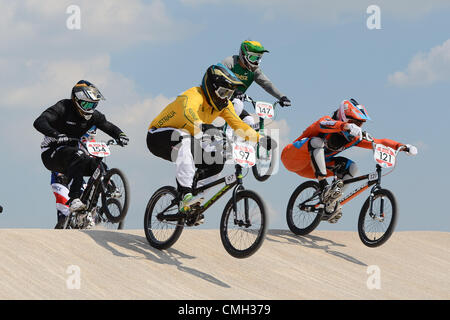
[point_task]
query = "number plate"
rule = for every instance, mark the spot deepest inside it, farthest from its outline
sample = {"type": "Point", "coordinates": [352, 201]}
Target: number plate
{"type": "Point", "coordinates": [373, 176]}
{"type": "Point", "coordinates": [96, 174]}
{"type": "Point", "coordinates": [244, 154]}
{"type": "Point", "coordinates": [384, 156]}
{"type": "Point", "coordinates": [98, 149]}
{"type": "Point", "coordinates": [264, 110]}
{"type": "Point", "coordinates": [230, 179]}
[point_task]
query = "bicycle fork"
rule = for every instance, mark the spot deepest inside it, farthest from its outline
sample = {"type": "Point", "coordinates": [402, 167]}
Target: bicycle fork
{"type": "Point", "coordinates": [377, 186]}
{"type": "Point", "coordinates": [240, 187]}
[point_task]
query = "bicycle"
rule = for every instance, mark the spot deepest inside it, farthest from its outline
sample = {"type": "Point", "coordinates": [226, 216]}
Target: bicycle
{"type": "Point", "coordinates": [243, 223]}
{"type": "Point", "coordinates": [378, 215]}
{"type": "Point", "coordinates": [265, 163]}
{"type": "Point", "coordinates": [109, 185]}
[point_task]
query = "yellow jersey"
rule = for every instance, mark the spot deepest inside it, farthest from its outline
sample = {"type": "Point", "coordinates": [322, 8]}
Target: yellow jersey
{"type": "Point", "coordinates": [191, 109]}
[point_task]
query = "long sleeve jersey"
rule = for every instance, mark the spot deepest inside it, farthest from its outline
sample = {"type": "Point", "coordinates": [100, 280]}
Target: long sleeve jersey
{"type": "Point", "coordinates": [330, 130]}
{"type": "Point", "coordinates": [247, 77]}
{"type": "Point", "coordinates": [63, 118]}
{"type": "Point", "coordinates": [191, 109]}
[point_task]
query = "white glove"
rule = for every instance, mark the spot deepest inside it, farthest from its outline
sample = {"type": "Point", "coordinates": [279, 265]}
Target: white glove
{"type": "Point", "coordinates": [412, 150]}
{"type": "Point", "coordinates": [354, 130]}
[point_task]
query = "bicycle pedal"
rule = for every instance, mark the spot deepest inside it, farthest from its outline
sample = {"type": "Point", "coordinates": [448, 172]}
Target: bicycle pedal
{"type": "Point", "coordinates": [200, 220]}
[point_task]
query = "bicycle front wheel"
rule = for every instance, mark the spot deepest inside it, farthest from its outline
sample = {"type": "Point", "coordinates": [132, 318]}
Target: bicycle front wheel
{"type": "Point", "coordinates": [301, 219]}
{"type": "Point", "coordinates": [265, 163]}
{"type": "Point", "coordinates": [376, 226]}
{"type": "Point", "coordinates": [117, 187]}
{"type": "Point", "coordinates": [114, 209]}
{"type": "Point", "coordinates": [162, 234]}
{"type": "Point", "coordinates": [242, 232]}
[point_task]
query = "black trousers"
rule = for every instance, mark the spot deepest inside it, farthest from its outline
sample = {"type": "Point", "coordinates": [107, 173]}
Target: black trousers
{"type": "Point", "coordinates": [72, 162]}
{"type": "Point", "coordinates": [164, 144]}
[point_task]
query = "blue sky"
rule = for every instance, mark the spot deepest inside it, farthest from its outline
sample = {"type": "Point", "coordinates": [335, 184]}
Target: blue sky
{"type": "Point", "coordinates": [143, 53]}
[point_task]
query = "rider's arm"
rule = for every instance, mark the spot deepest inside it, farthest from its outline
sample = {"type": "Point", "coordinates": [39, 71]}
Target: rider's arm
{"type": "Point", "coordinates": [387, 142]}
{"type": "Point", "coordinates": [43, 123]}
{"type": "Point", "coordinates": [101, 123]}
{"type": "Point", "coordinates": [240, 127]}
{"type": "Point", "coordinates": [266, 84]}
{"type": "Point", "coordinates": [323, 125]}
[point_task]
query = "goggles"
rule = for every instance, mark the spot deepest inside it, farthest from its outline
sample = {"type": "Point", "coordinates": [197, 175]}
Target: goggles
{"type": "Point", "coordinates": [359, 123]}
{"type": "Point", "coordinates": [254, 57]}
{"type": "Point", "coordinates": [224, 93]}
{"type": "Point", "coordinates": [87, 106]}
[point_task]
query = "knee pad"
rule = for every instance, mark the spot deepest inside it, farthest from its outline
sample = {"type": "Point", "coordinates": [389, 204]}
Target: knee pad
{"type": "Point", "coordinates": [348, 169]}
{"type": "Point", "coordinates": [353, 169]}
{"type": "Point", "coordinates": [249, 120]}
{"type": "Point", "coordinates": [316, 143]}
{"type": "Point", "coordinates": [238, 106]}
{"type": "Point", "coordinates": [316, 149]}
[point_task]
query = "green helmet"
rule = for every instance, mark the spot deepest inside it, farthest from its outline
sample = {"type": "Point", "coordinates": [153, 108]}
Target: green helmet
{"type": "Point", "coordinates": [251, 53]}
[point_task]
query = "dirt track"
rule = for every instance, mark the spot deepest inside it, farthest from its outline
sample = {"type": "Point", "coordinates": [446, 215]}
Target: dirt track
{"type": "Point", "coordinates": [121, 265]}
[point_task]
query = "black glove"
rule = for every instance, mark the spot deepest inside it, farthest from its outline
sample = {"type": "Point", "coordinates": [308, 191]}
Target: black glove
{"type": "Point", "coordinates": [267, 143]}
{"type": "Point", "coordinates": [62, 139]}
{"type": "Point", "coordinates": [285, 102]}
{"type": "Point", "coordinates": [123, 139]}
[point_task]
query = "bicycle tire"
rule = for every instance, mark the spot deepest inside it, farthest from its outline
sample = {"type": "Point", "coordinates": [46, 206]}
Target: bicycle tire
{"type": "Point", "coordinates": [264, 177]}
{"type": "Point", "coordinates": [126, 199]}
{"type": "Point", "coordinates": [372, 243]}
{"type": "Point", "coordinates": [115, 202]}
{"type": "Point", "coordinates": [261, 232]}
{"type": "Point", "coordinates": [290, 207]}
{"type": "Point", "coordinates": [149, 231]}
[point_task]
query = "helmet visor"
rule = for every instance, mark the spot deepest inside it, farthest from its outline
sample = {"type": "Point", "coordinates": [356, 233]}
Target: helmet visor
{"type": "Point", "coordinates": [224, 93]}
{"type": "Point", "coordinates": [87, 105]}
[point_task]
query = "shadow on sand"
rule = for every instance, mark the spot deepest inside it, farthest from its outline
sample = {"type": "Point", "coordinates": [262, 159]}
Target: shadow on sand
{"type": "Point", "coordinates": [140, 245]}
{"type": "Point", "coordinates": [313, 242]}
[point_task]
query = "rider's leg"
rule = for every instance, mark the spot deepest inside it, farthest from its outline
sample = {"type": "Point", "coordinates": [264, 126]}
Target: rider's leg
{"type": "Point", "coordinates": [61, 192]}
{"type": "Point", "coordinates": [63, 160]}
{"type": "Point", "coordinates": [316, 147]}
{"type": "Point", "coordinates": [176, 146]}
{"type": "Point", "coordinates": [347, 169]}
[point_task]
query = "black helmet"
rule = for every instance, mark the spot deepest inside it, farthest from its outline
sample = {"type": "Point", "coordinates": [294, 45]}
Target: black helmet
{"type": "Point", "coordinates": [218, 85]}
{"type": "Point", "coordinates": [86, 97]}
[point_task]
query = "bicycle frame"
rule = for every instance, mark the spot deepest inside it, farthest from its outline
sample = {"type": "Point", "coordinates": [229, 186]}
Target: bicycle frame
{"type": "Point", "coordinates": [374, 179]}
{"type": "Point", "coordinates": [95, 185]}
{"type": "Point", "coordinates": [235, 182]}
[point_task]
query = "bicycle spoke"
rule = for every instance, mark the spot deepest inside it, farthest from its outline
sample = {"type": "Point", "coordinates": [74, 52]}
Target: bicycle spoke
{"type": "Point", "coordinates": [242, 237]}
{"type": "Point", "coordinates": [375, 227]}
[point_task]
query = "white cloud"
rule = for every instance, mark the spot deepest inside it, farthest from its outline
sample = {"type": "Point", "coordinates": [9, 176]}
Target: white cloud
{"type": "Point", "coordinates": [425, 68]}
{"type": "Point", "coordinates": [39, 27]}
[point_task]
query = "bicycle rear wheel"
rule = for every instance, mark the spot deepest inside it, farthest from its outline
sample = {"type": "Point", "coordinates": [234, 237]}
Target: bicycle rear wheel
{"type": "Point", "coordinates": [117, 187]}
{"type": "Point", "coordinates": [162, 234]}
{"type": "Point", "coordinates": [376, 227]}
{"type": "Point", "coordinates": [299, 220]}
{"type": "Point", "coordinates": [242, 232]}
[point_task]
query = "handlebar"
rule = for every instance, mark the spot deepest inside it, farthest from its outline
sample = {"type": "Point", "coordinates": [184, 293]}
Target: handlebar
{"type": "Point", "coordinates": [368, 137]}
{"type": "Point", "coordinates": [250, 99]}
{"type": "Point", "coordinates": [108, 143]}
